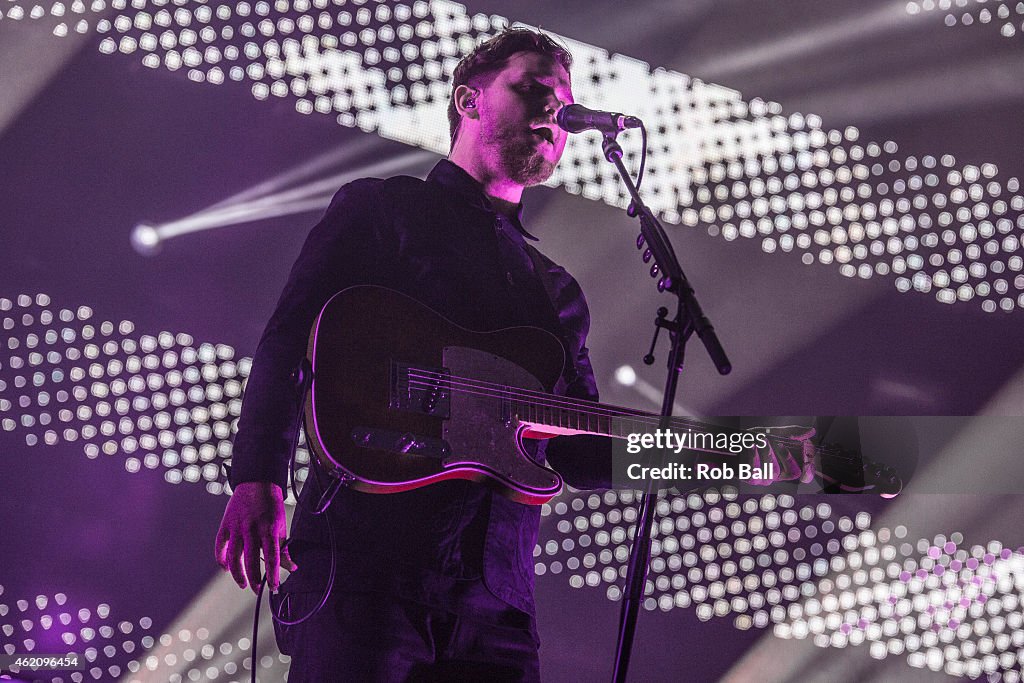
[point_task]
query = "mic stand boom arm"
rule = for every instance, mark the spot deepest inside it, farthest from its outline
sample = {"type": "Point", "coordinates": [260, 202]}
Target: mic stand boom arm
{"type": "Point", "coordinates": [689, 319]}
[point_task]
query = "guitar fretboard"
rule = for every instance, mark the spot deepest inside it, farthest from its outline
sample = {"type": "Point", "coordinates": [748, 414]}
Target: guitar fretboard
{"type": "Point", "coordinates": [570, 415]}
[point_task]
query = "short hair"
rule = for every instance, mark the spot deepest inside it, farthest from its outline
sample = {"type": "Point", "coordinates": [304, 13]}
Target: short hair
{"type": "Point", "coordinates": [490, 57]}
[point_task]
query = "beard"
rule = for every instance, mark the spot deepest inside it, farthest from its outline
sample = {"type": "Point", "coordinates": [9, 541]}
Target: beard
{"type": "Point", "coordinates": [518, 155]}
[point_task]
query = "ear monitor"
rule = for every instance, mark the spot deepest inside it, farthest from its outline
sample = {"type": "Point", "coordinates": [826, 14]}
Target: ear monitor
{"type": "Point", "coordinates": [471, 104]}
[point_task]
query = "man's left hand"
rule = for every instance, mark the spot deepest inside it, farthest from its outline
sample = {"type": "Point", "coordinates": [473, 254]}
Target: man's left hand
{"type": "Point", "coordinates": [791, 453]}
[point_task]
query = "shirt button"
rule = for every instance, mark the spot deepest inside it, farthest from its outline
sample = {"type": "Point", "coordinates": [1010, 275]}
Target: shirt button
{"type": "Point", "coordinates": [508, 276]}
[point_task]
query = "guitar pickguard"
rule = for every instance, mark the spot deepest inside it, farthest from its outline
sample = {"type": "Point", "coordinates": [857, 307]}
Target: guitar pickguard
{"type": "Point", "coordinates": [482, 428]}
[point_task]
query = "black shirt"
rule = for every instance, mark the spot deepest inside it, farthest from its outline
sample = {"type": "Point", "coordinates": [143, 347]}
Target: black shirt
{"type": "Point", "coordinates": [440, 242]}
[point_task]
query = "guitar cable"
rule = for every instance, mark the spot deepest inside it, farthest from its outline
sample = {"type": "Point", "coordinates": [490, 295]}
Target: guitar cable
{"type": "Point", "coordinates": [303, 376]}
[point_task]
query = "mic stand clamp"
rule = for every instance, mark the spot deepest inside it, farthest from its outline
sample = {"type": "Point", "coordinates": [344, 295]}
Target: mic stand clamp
{"type": "Point", "coordinates": [689, 318]}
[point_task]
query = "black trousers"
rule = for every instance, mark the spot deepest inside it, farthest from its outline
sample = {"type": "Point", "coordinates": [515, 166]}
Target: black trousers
{"type": "Point", "coordinates": [370, 636]}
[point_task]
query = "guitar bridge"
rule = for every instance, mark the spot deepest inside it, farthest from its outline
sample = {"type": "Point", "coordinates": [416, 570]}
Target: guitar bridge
{"type": "Point", "coordinates": [420, 390]}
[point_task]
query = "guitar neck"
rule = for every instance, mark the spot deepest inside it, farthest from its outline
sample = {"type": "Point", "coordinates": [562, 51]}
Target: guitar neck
{"type": "Point", "coordinates": [548, 414]}
{"type": "Point", "coordinates": [568, 416]}
{"type": "Point", "coordinates": [562, 415]}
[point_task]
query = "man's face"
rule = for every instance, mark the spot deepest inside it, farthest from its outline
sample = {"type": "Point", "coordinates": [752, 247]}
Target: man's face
{"type": "Point", "coordinates": [517, 117]}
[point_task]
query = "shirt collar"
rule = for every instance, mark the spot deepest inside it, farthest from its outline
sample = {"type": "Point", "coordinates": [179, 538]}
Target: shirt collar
{"type": "Point", "coordinates": [455, 178]}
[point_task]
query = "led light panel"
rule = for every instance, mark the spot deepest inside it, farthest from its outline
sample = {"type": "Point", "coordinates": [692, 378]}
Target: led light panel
{"type": "Point", "coordinates": [733, 167]}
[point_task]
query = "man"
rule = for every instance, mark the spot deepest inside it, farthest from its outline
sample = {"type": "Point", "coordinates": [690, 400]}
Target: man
{"type": "Point", "coordinates": [435, 583]}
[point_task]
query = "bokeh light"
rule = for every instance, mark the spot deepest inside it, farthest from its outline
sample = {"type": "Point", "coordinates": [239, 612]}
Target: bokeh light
{"type": "Point", "coordinates": [717, 162]}
{"type": "Point", "coordinates": [805, 571]}
{"type": "Point", "coordinates": [160, 401]}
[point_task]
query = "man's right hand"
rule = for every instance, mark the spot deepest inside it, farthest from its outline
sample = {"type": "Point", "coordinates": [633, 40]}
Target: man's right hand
{"type": "Point", "coordinates": [254, 521]}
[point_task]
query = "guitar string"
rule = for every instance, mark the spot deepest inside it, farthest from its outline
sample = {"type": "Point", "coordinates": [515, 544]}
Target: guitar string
{"type": "Point", "coordinates": [545, 398]}
{"type": "Point", "coordinates": [548, 400]}
{"type": "Point", "coordinates": [481, 391]}
{"type": "Point", "coordinates": [825, 451]}
{"type": "Point", "coordinates": [566, 400]}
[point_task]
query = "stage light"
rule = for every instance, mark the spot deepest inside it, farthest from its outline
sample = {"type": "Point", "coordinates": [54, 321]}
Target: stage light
{"type": "Point", "coordinates": [145, 238]}
{"type": "Point", "coordinates": [625, 376]}
{"type": "Point", "coordinates": [738, 141]}
{"type": "Point", "coordinates": [853, 607]}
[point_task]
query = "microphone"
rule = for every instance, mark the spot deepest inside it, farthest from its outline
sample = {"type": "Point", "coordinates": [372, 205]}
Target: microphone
{"type": "Point", "coordinates": [575, 118]}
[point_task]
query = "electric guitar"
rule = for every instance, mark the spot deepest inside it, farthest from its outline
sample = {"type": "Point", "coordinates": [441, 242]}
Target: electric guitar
{"type": "Point", "coordinates": [401, 397]}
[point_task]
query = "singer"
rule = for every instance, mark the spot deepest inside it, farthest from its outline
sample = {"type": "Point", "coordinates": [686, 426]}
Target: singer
{"type": "Point", "coordinates": [434, 583]}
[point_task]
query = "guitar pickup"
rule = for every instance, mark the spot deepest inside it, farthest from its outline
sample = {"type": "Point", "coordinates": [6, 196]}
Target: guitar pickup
{"type": "Point", "coordinates": [404, 443]}
{"type": "Point", "coordinates": [420, 390]}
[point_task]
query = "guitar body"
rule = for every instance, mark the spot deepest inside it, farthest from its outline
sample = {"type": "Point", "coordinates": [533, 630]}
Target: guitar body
{"type": "Point", "coordinates": [401, 398]}
{"type": "Point", "coordinates": [381, 414]}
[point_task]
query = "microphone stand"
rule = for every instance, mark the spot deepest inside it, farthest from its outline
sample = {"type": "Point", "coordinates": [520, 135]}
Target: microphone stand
{"type": "Point", "coordinates": [689, 318]}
